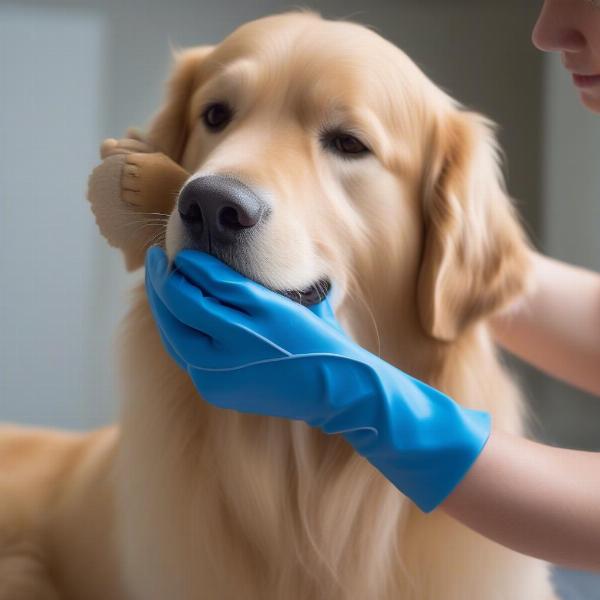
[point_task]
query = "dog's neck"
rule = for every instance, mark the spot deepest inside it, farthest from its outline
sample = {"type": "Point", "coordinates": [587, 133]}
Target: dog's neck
{"type": "Point", "coordinates": [389, 327]}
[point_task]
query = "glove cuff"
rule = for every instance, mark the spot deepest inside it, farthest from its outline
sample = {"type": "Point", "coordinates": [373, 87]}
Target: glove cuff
{"type": "Point", "coordinates": [430, 475]}
{"type": "Point", "coordinates": [419, 438]}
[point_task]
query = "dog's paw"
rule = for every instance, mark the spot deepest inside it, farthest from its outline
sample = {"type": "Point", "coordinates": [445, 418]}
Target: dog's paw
{"type": "Point", "coordinates": [124, 225]}
{"type": "Point", "coordinates": [131, 193]}
{"type": "Point", "coordinates": [151, 182]}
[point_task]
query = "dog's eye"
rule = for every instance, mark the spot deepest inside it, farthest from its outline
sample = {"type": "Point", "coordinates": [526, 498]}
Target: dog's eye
{"type": "Point", "coordinates": [216, 116]}
{"type": "Point", "coordinates": [344, 143]}
{"type": "Point", "coordinates": [348, 144]}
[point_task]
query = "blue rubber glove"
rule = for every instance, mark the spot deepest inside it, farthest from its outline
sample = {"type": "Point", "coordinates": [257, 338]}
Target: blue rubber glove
{"type": "Point", "coordinates": [252, 350]}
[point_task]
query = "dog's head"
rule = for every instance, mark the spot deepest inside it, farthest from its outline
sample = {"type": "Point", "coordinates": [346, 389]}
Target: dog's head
{"type": "Point", "coordinates": [320, 153]}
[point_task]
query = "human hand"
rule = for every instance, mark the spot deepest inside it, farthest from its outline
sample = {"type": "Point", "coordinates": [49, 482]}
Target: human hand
{"type": "Point", "coordinates": [250, 349]}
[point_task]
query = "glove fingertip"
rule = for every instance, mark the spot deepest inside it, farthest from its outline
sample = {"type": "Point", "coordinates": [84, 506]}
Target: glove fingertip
{"type": "Point", "coordinates": [156, 261]}
{"type": "Point", "coordinates": [199, 265]}
{"type": "Point", "coordinates": [194, 260]}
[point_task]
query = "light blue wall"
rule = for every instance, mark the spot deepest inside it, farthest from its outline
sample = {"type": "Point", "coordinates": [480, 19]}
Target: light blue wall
{"type": "Point", "coordinates": [51, 67]}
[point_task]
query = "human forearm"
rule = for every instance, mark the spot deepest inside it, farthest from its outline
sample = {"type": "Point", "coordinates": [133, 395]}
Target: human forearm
{"type": "Point", "coordinates": [535, 499]}
{"type": "Point", "coordinates": [556, 326]}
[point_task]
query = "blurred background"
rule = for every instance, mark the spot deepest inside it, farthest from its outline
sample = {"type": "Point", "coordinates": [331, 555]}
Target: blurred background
{"type": "Point", "coordinates": [73, 73]}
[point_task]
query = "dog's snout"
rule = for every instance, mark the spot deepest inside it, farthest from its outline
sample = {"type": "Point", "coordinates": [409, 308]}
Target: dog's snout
{"type": "Point", "coordinates": [216, 208]}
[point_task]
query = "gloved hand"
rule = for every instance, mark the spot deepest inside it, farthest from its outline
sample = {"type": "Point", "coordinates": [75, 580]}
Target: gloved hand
{"type": "Point", "coordinates": [250, 349]}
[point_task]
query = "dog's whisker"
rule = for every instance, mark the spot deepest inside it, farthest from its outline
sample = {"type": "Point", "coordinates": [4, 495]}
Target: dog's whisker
{"type": "Point", "coordinates": [154, 221]}
{"type": "Point", "coordinates": [361, 296]}
{"type": "Point", "coordinates": [160, 232]}
{"type": "Point", "coordinates": [167, 215]}
{"type": "Point", "coordinates": [139, 212]}
{"type": "Point", "coordinates": [141, 223]}
{"type": "Point", "coordinates": [130, 214]}
{"type": "Point", "coordinates": [133, 211]}
{"type": "Point", "coordinates": [157, 239]}
{"type": "Point", "coordinates": [151, 233]}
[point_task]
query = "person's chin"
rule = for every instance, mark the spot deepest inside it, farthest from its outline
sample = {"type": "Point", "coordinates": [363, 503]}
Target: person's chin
{"type": "Point", "coordinates": [590, 100]}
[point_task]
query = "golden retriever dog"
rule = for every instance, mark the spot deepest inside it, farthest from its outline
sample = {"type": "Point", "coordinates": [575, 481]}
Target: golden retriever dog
{"type": "Point", "coordinates": [376, 181]}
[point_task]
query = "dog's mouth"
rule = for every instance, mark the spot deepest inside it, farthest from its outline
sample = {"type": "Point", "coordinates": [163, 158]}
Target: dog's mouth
{"type": "Point", "coordinates": [311, 295]}
{"type": "Point", "coordinates": [308, 296]}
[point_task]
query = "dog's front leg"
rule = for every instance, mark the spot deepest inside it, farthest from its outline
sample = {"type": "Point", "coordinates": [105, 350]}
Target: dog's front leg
{"type": "Point", "coordinates": [132, 193]}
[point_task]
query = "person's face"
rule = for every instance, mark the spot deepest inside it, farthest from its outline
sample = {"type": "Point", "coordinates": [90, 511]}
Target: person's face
{"type": "Point", "coordinates": [572, 27]}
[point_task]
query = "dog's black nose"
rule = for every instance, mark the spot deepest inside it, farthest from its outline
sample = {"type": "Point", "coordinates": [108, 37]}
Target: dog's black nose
{"type": "Point", "coordinates": [217, 208]}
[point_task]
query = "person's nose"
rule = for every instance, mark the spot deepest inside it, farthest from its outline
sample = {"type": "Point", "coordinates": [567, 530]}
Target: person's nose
{"type": "Point", "coordinates": [217, 209]}
{"type": "Point", "coordinates": [556, 29]}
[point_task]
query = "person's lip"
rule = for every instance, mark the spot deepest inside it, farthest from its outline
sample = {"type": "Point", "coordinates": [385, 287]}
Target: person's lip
{"type": "Point", "coordinates": [585, 81]}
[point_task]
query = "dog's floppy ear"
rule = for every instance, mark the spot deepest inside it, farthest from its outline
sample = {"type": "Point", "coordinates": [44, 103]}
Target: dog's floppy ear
{"type": "Point", "coordinates": [475, 255]}
{"type": "Point", "coordinates": [168, 131]}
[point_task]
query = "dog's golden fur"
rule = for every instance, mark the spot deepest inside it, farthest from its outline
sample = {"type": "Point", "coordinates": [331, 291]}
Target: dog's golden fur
{"type": "Point", "coordinates": [187, 501]}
